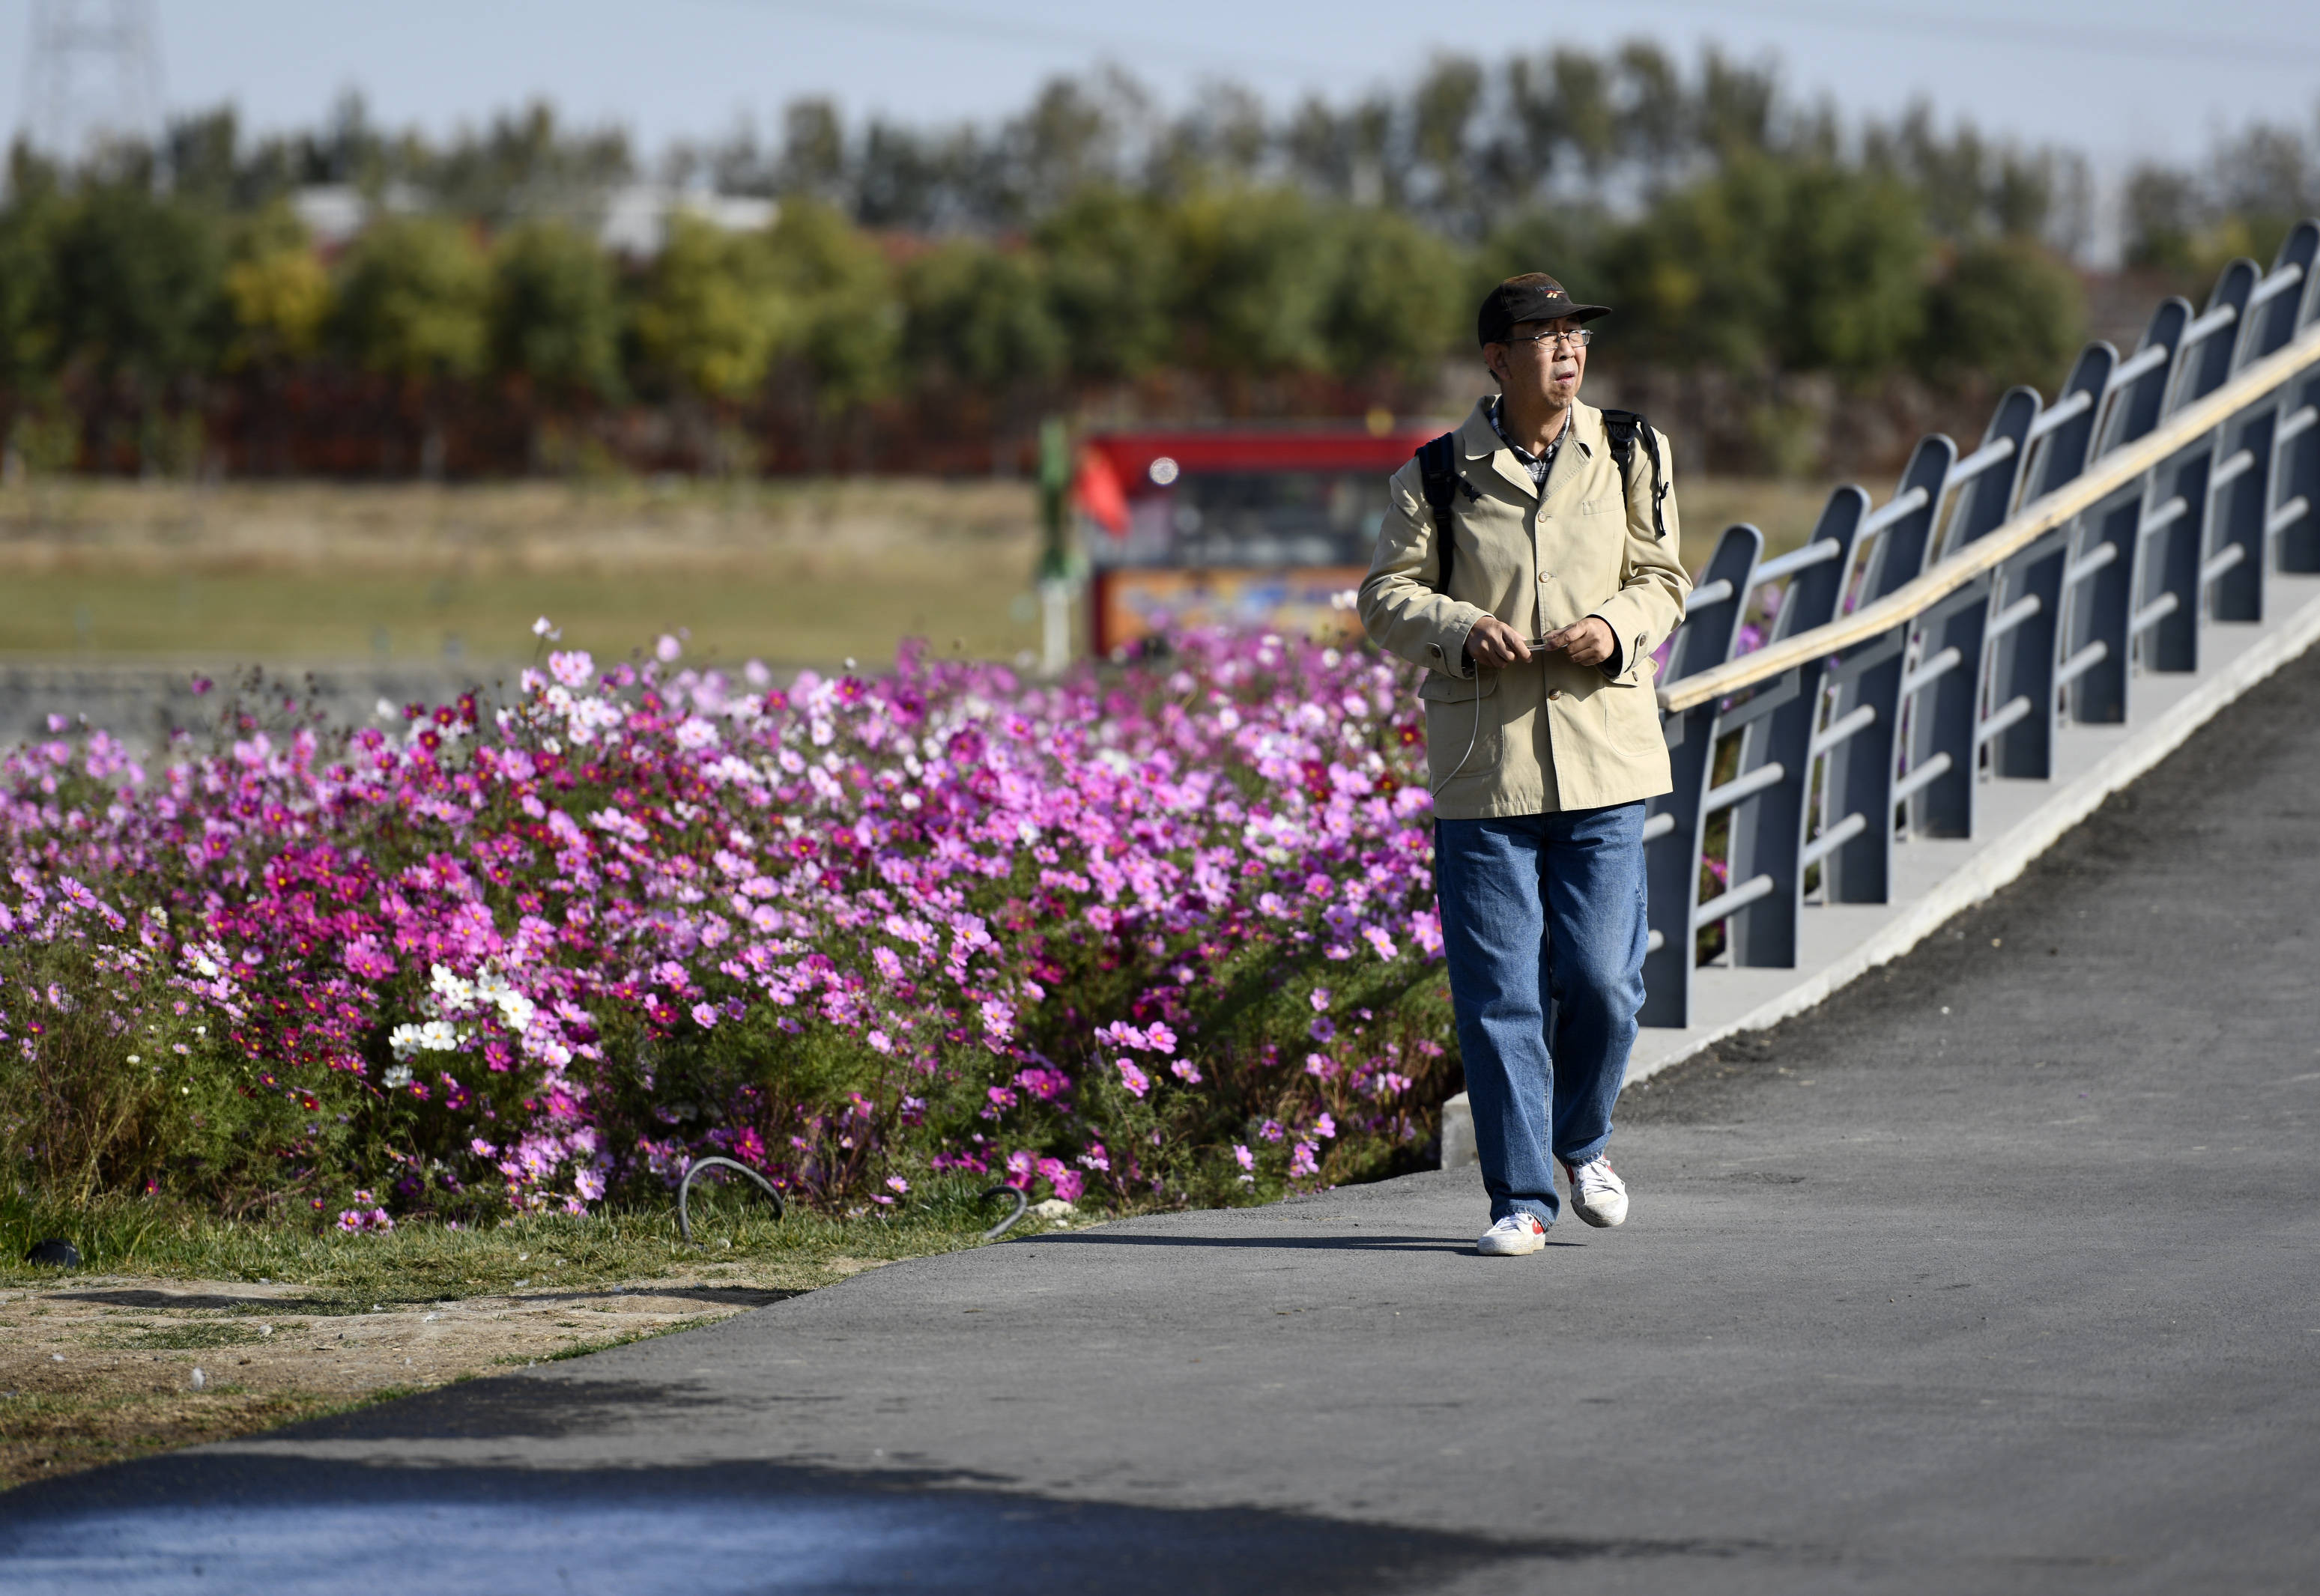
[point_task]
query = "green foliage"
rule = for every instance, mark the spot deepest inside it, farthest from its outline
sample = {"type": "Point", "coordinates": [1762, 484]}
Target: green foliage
{"type": "Point", "coordinates": [276, 290]}
{"type": "Point", "coordinates": [135, 286]}
{"type": "Point", "coordinates": [1094, 238]}
{"type": "Point", "coordinates": [109, 1089]}
{"type": "Point", "coordinates": [1801, 267]}
{"type": "Point", "coordinates": [1399, 299]}
{"type": "Point", "coordinates": [977, 315]}
{"type": "Point", "coordinates": [1110, 272]}
{"type": "Point", "coordinates": [708, 317]}
{"type": "Point", "coordinates": [1256, 282]}
{"type": "Point", "coordinates": [411, 300]}
{"type": "Point", "coordinates": [842, 320]}
{"type": "Point", "coordinates": [2006, 308]}
{"type": "Point", "coordinates": [554, 312]}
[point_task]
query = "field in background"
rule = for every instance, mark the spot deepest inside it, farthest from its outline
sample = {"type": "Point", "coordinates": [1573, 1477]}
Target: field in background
{"type": "Point", "coordinates": [793, 573]}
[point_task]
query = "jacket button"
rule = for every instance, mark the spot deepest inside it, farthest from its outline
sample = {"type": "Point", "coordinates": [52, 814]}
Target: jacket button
{"type": "Point", "coordinates": [1546, 576]}
{"type": "Point", "coordinates": [1554, 692]}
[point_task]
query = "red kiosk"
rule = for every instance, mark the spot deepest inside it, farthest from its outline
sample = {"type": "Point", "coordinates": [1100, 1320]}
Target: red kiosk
{"type": "Point", "coordinates": [1255, 526]}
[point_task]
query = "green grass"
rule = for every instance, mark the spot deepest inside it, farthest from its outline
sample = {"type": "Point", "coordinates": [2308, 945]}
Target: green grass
{"type": "Point", "coordinates": [860, 609]}
{"type": "Point", "coordinates": [424, 1263]}
{"type": "Point", "coordinates": [809, 573]}
{"type": "Point", "coordinates": [198, 1337]}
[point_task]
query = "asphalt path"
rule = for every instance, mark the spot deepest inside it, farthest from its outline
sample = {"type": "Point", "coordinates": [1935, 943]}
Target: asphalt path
{"type": "Point", "coordinates": [1999, 1272]}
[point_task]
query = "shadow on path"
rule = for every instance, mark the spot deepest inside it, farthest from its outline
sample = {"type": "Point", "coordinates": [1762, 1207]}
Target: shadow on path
{"type": "Point", "coordinates": [304, 1527]}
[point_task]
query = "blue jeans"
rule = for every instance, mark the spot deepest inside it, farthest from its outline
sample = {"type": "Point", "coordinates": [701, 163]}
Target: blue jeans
{"type": "Point", "coordinates": [1539, 907]}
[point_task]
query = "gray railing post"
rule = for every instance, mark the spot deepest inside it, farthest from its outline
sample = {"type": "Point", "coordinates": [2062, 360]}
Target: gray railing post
{"type": "Point", "coordinates": [1942, 694]}
{"type": "Point", "coordinates": [1674, 828]}
{"type": "Point", "coordinates": [1859, 778]}
{"type": "Point", "coordinates": [2027, 615]}
{"type": "Point", "coordinates": [2292, 512]}
{"type": "Point", "coordinates": [2168, 610]}
{"type": "Point", "coordinates": [2237, 557]}
{"type": "Point", "coordinates": [1768, 830]}
{"type": "Point", "coordinates": [2099, 583]}
{"type": "Point", "coordinates": [2152, 494]}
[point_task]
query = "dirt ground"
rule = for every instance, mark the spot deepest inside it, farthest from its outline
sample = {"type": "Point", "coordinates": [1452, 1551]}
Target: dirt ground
{"type": "Point", "coordinates": [97, 1368]}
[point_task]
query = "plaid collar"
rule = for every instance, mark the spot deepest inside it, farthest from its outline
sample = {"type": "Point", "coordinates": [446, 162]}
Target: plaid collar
{"type": "Point", "coordinates": [1538, 465]}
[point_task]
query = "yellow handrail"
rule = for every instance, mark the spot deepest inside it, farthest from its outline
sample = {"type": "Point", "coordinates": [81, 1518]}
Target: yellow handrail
{"type": "Point", "coordinates": [2104, 477]}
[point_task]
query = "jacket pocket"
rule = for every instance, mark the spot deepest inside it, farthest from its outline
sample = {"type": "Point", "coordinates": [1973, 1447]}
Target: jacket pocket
{"type": "Point", "coordinates": [1439, 687]}
{"type": "Point", "coordinates": [1631, 716]}
{"type": "Point", "coordinates": [1463, 734]}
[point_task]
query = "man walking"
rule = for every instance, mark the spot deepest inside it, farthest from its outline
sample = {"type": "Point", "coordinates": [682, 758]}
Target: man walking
{"type": "Point", "coordinates": [1530, 561]}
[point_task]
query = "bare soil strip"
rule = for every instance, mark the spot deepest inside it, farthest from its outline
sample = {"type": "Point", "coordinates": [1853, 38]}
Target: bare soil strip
{"type": "Point", "coordinates": [98, 1368]}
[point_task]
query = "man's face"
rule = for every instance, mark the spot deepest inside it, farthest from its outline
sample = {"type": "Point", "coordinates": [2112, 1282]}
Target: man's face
{"type": "Point", "coordinates": [1534, 360]}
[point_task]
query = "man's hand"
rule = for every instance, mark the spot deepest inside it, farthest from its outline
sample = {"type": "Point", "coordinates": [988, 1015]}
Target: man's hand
{"type": "Point", "coordinates": [1587, 643]}
{"type": "Point", "coordinates": [1494, 645]}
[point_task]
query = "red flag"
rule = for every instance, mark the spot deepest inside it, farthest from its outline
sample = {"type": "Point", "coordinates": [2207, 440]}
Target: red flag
{"type": "Point", "coordinates": [1098, 494]}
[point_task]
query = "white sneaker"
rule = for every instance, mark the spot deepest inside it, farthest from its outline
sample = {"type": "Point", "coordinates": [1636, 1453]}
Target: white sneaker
{"type": "Point", "coordinates": [1512, 1236]}
{"type": "Point", "coordinates": [1598, 1196]}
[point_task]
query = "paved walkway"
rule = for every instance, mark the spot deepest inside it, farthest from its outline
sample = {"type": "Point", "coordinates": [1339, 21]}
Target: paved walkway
{"type": "Point", "coordinates": [1998, 1273]}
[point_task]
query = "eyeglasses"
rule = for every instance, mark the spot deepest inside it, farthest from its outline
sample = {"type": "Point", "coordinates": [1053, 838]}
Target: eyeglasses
{"type": "Point", "coordinates": [1578, 337]}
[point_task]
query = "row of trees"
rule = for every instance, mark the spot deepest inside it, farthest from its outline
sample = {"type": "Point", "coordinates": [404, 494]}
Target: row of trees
{"type": "Point", "coordinates": [1090, 249]}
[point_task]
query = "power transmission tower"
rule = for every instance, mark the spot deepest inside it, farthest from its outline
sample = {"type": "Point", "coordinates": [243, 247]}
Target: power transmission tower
{"type": "Point", "coordinates": [93, 76]}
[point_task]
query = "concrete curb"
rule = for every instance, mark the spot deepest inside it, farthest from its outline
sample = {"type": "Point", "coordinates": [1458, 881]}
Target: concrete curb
{"type": "Point", "coordinates": [1990, 868]}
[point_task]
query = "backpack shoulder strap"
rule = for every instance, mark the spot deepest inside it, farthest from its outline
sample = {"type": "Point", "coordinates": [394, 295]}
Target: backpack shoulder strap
{"type": "Point", "coordinates": [1624, 428]}
{"type": "Point", "coordinates": [1438, 477]}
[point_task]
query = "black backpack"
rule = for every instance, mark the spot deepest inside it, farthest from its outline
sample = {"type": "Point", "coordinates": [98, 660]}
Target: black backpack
{"type": "Point", "coordinates": [1440, 478]}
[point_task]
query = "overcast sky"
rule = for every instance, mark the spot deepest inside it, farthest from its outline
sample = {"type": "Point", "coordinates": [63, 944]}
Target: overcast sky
{"type": "Point", "coordinates": [2120, 79]}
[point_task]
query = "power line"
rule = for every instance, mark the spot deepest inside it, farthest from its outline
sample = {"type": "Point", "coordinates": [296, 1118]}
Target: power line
{"type": "Point", "coordinates": [1967, 28]}
{"type": "Point", "coordinates": [1958, 28]}
{"type": "Point", "coordinates": [886, 16]}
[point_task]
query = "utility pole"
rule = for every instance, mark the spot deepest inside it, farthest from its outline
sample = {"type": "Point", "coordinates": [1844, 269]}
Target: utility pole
{"type": "Point", "coordinates": [93, 76]}
{"type": "Point", "coordinates": [1059, 573]}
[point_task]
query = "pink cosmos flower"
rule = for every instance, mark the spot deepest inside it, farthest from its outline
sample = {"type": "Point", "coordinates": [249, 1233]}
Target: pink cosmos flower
{"type": "Point", "coordinates": [1325, 1127]}
{"type": "Point", "coordinates": [1020, 1167]}
{"type": "Point", "coordinates": [1301, 1164]}
{"type": "Point", "coordinates": [1245, 1158]}
{"type": "Point", "coordinates": [571, 669]}
{"type": "Point", "coordinates": [896, 1183]}
{"type": "Point", "coordinates": [1068, 1183]}
{"type": "Point", "coordinates": [1320, 999]}
{"type": "Point", "coordinates": [1185, 1070]}
{"type": "Point", "coordinates": [703, 1015]}
{"type": "Point", "coordinates": [1134, 1079]}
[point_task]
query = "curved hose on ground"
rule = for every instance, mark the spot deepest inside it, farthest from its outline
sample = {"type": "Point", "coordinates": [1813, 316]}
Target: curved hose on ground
{"type": "Point", "coordinates": [1023, 1202]}
{"type": "Point", "coordinates": [684, 1191]}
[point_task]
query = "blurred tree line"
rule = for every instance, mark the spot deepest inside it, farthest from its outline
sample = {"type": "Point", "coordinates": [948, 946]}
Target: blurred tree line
{"type": "Point", "coordinates": [924, 294]}
{"type": "Point", "coordinates": [2188, 223]}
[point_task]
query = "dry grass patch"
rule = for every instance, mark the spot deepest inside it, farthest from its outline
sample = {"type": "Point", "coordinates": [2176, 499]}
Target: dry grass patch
{"type": "Point", "coordinates": [96, 1365]}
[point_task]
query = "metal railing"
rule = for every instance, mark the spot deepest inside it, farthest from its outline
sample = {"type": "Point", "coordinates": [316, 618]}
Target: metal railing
{"type": "Point", "coordinates": [2082, 542]}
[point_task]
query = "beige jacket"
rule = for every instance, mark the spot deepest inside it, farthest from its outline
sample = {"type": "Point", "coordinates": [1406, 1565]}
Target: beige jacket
{"type": "Point", "coordinates": [1549, 735]}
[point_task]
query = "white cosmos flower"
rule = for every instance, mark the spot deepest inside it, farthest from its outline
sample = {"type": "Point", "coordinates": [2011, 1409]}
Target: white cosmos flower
{"type": "Point", "coordinates": [397, 1078]}
{"type": "Point", "coordinates": [438, 1037]}
{"type": "Point", "coordinates": [455, 994]}
{"type": "Point", "coordinates": [404, 1041]}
